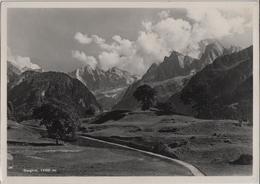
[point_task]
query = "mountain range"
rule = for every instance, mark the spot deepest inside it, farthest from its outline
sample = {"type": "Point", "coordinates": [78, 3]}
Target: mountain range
{"type": "Point", "coordinates": [220, 80]}
{"type": "Point", "coordinates": [171, 75]}
{"type": "Point", "coordinates": [107, 86]}
{"type": "Point", "coordinates": [223, 89]}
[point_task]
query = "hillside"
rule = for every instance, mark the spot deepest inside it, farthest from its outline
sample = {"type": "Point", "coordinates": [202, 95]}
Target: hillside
{"type": "Point", "coordinates": [210, 145]}
{"type": "Point", "coordinates": [34, 89]}
{"type": "Point", "coordinates": [223, 89]}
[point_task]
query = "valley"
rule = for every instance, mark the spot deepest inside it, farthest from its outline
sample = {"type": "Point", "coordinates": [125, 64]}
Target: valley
{"type": "Point", "coordinates": [81, 158]}
{"type": "Point", "coordinates": [91, 122]}
{"type": "Point", "coordinates": [211, 150]}
{"type": "Point", "coordinates": [209, 145]}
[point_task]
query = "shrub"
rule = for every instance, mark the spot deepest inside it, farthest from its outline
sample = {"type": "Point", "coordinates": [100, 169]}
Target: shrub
{"type": "Point", "coordinates": [244, 159]}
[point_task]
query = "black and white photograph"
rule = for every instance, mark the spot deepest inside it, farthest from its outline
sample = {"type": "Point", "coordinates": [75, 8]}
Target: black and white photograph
{"type": "Point", "coordinates": [130, 91]}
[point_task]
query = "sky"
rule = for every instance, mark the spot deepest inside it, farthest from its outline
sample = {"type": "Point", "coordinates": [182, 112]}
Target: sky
{"type": "Point", "coordinates": [130, 39]}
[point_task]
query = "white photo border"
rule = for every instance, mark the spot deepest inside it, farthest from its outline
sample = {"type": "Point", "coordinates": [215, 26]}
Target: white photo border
{"type": "Point", "coordinates": [127, 180]}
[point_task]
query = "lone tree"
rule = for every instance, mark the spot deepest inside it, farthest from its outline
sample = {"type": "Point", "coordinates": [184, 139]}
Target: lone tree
{"type": "Point", "coordinates": [60, 125]}
{"type": "Point", "coordinates": [146, 95]}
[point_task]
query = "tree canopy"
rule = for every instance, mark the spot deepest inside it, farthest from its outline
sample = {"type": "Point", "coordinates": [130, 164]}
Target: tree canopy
{"type": "Point", "coordinates": [59, 123]}
{"type": "Point", "coordinates": [146, 95]}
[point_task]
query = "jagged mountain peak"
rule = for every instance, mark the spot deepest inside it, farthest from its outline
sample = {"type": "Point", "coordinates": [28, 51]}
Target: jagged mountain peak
{"type": "Point", "coordinates": [176, 64]}
{"type": "Point", "coordinates": [214, 45]}
{"type": "Point", "coordinates": [90, 69]}
{"type": "Point", "coordinates": [118, 71]}
{"type": "Point", "coordinates": [211, 92]}
{"type": "Point", "coordinates": [98, 79]}
{"type": "Point", "coordinates": [213, 50]}
{"type": "Point", "coordinates": [163, 75]}
{"type": "Point", "coordinates": [233, 48]}
{"type": "Point", "coordinates": [115, 69]}
{"type": "Point", "coordinates": [100, 82]}
{"type": "Point", "coordinates": [198, 49]}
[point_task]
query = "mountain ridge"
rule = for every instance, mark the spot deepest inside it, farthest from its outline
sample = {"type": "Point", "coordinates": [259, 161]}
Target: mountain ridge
{"type": "Point", "coordinates": [107, 86]}
{"type": "Point", "coordinates": [175, 65]}
{"type": "Point", "coordinates": [212, 91]}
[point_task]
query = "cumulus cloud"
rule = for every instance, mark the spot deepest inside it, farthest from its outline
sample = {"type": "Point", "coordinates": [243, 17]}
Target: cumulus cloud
{"type": "Point", "coordinates": [87, 60]}
{"type": "Point", "coordinates": [82, 38]}
{"type": "Point", "coordinates": [108, 60]}
{"type": "Point", "coordinates": [98, 40]}
{"type": "Point", "coordinates": [164, 14]}
{"type": "Point", "coordinates": [158, 39]}
{"type": "Point", "coordinates": [122, 54]}
{"type": "Point", "coordinates": [21, 62]}
{"type": "Point", "coordinates": [214, 22]}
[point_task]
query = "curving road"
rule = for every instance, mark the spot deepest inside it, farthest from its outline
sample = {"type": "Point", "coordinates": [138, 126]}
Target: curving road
{"type": "Point", "coordinates": [195, 171]}
{"type": "Point", "coordinates": [94, 157]}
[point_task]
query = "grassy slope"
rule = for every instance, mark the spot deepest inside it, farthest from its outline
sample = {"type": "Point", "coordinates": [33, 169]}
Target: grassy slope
{"type": "Point", "coordinates": [78, 159]}
{"type": "Point", "coordinates": [208, 144]}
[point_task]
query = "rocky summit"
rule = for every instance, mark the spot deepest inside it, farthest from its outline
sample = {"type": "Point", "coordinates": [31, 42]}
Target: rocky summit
{"type": "Point", "coordinates": [171, 75]}
{"type": "Point", "coordinates": [107, 86]}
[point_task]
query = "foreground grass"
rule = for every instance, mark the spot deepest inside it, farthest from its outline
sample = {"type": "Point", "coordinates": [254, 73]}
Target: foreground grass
{"type": "Point", "coordinates": [210, 145]}
{"type": "Point", "coordinates": [82, 158]}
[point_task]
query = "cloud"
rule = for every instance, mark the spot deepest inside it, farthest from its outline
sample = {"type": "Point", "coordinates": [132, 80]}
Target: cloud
{"type": "Point", "coordinates": [87, 60]}
{"type": "Point", "coordinates": [158, 39]}
{"type": "Point", "coordinates": [164, 36]}
{"type": "Point", "coordinates": [82, 38]}
{"type": "Point", "coordinates": [122, 54]}
{"type": "Point", "coordinates": [164, 14]}
{"type": "Point", "coordinates": [21, 62]}
{"type": "Point", "coordinates": [98, 40]}
{"type": "Point", "coordinates": [108, 60]}
{"type": "Point", "coordinates": [215, 23]}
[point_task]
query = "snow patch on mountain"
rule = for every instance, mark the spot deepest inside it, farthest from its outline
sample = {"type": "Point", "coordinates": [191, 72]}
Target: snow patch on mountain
{"type": "Point", "coordinates": [181, 60]}
{"type": "Point", "coordinates": [23, 63]}
{"type": "Point", "coordinates": [107, 85]}
{"type": "Point", "coordinates": [79, 77]}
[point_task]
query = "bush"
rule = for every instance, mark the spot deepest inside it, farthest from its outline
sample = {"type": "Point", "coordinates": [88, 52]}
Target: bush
{"type": "Point", "coordinates": [244, 159]}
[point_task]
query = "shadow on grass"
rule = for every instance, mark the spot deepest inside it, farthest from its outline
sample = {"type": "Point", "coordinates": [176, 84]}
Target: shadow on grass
{"type": "Point", "coordinates": [112, 115]}
{"type": "Point", "coordinates": [19, 143]}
